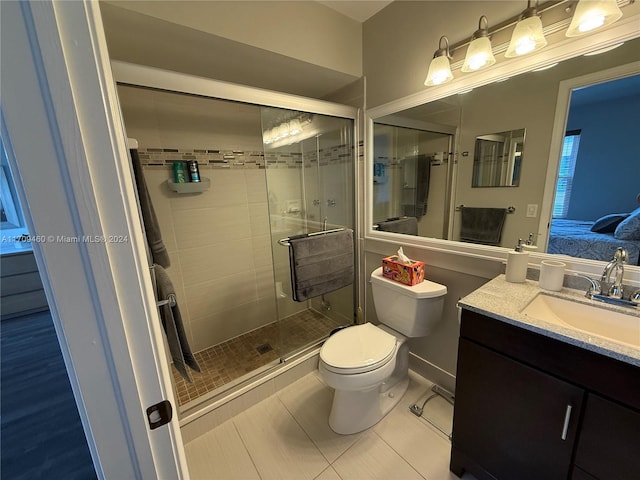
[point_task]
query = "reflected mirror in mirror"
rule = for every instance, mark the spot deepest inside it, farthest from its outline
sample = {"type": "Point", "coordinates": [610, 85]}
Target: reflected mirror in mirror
{"type": "Point", "coordinates": [410, 173]}
{"type": "Point", "coordinates": [497, 159]}
{"type": "Point", "coordinates": [528, 102]}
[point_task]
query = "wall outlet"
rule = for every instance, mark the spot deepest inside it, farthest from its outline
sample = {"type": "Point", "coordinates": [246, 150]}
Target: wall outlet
{"type": "Point", "coordinates": [532, 210]}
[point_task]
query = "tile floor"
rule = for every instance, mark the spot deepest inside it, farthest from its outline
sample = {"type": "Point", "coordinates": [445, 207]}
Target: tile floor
{"type": "Point", "coordinates": [234, 358]}
{"type": "Point", "coordinates": [287, 436]}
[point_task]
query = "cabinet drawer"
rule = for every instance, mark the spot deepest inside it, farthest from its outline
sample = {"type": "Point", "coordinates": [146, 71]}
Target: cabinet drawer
{"type": "Point", "coordinates": [609, 444]}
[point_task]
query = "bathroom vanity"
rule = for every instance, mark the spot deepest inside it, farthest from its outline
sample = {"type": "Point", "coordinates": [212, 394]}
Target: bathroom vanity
{"type": "Point", "coordinates": [536, 400]}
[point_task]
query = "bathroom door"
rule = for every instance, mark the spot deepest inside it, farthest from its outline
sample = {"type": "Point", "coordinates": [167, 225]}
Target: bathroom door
{"type": "Point", "coordinates": [74, 180]}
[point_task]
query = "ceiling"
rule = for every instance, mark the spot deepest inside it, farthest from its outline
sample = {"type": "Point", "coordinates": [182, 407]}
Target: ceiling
{"type": "Point", "coordinates": [357, 10]}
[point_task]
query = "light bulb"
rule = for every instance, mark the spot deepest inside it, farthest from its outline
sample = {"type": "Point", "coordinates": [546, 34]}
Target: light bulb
{"type": "Point", "coordinates": [479, 54]}
{"type": "Point", "coordinates": [439, 68]}
{"type": "Point", "coordinates": [295, 127]}
{"type": "Point", "coordinates": [439, 71]}
{"type": "Point", "coordinates": [527, 37]}
{"type": "Point", "coordinates": [592, 14]}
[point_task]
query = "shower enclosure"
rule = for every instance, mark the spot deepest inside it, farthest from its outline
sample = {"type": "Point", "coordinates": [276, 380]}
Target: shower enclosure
{"type": "Point", "coordinates": [267, 173]}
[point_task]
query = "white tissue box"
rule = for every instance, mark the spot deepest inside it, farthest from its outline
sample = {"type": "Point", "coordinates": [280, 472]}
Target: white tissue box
{"type": "Point", "coordinates": [410, 273]}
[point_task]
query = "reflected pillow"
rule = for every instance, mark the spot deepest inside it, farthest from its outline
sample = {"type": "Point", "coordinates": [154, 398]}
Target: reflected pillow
{"type": "Point", "coordinates": [629, 228]}
{"type": "Point", "coordinates": [608, 223]}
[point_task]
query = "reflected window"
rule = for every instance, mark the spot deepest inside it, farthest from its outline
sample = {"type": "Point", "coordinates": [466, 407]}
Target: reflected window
{"type": "Point", "coordinates": [565, 173]}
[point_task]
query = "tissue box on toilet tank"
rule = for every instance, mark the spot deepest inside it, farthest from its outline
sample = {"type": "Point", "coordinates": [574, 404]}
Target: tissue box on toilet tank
{"type": "Point", "coordinates": [409, 274]}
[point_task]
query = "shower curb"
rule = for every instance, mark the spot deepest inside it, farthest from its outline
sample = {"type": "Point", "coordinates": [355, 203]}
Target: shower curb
{"type": "Point", "coordinates": [223, 408]}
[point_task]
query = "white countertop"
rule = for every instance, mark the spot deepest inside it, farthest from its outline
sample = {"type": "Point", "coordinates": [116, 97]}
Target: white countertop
{"type": "Point", "coordinates": [504, 301]}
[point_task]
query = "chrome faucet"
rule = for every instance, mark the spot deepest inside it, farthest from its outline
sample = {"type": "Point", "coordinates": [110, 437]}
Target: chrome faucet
{"type": "Point", "coordinates": [616, 264]}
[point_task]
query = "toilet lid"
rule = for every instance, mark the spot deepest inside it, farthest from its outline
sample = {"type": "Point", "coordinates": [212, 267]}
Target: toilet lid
{"type": "Point", "coordinates": [358, 349]}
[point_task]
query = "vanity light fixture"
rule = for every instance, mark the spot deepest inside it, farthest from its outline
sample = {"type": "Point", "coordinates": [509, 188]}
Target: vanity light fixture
{"type": "Point", "coordinates": [290, 129]}
{"type": "Point", "coordinates": [440, 68]}
{"type": "Point", "coordinates": [479, 53]}
{"type": "Point", "coordinates": [528, 36]}
{"type": "Point", "coordinates": [593, 14]}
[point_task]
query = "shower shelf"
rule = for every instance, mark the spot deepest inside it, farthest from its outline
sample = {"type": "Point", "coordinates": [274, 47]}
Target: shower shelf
{"type": "Point", "coordinates": [190, 187]}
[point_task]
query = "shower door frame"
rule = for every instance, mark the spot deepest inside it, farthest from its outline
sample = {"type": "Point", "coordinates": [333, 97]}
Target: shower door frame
{"type": "Point", "coordinates": [134, 75]}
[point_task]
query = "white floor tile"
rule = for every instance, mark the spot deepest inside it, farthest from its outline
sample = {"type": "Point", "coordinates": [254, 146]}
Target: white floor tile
{"type": "Point", "coordinates": [287, 436]}
{"type": "Point", "coordinates": [372, 459]}
{"type": "Point", "coordinates": [309, 401]}
{"type": "Point", "coordinates": [418, 443]}
{"type": "Point", "coordinates": [278, 446]}
{"type": "Point", "coordinates": [329, 474]}
{"type": "Point", "coordinates": [220, 454]}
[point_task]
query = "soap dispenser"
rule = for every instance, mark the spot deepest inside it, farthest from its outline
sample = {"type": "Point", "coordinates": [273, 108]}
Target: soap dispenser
{"type": "Point", "coordinates": [530, 245]}
{"type": "Point", "coordinates": [517, 264]}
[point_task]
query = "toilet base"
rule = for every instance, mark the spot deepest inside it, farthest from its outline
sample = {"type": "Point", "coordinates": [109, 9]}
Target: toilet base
{"type": "Point", "coordinates": [355, 411]}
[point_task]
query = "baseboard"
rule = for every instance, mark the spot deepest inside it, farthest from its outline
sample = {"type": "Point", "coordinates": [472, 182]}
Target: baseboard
{"type": "Point", "coordinates": [432, 372]}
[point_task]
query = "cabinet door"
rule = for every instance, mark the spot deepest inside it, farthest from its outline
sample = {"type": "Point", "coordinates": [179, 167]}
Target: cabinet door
{"type": "Point", "coordinates": [609, 444]}
{"type": "Point", "coordinates": [512, 420]}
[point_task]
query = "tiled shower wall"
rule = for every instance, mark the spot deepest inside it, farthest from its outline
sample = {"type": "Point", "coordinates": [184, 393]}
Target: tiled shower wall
{"type": "Point", "coordinates": [219, 244]}
{"type": "Point", "coordinates": [219, 241]}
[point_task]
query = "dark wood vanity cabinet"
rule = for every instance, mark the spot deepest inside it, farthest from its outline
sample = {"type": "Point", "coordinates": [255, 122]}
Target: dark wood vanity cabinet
{"type": "Point", "coordinates": [529, 407]}
{"type": "Point", "coordinates": [609, 445]}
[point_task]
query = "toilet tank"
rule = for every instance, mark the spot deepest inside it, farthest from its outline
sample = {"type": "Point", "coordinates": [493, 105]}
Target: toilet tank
{"type": "Point", "coordinates": [412, 311]}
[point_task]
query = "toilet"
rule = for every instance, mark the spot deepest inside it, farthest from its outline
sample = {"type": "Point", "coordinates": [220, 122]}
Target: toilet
{"type": "Point", "coordinates": [368, 364]}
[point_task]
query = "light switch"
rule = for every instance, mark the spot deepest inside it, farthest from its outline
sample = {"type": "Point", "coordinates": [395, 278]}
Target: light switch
{"type": "Point", "coordinates": [532, 210]}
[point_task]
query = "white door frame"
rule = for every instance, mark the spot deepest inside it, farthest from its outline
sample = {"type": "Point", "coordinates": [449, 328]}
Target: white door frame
{"type": "Point", "coordinates": [61, 124]}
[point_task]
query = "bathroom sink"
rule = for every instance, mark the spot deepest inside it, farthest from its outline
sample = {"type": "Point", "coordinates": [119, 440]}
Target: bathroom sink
{"type": "Point", "coordinates": [612, 325]}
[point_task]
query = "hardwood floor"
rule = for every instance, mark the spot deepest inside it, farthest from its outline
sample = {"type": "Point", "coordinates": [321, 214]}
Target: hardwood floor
{"type": "Point", "coordinates": [41, 433]}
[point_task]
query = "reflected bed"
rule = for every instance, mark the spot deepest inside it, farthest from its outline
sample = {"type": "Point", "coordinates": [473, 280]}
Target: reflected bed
{"type": "Point", "coordinates": [575, 238]}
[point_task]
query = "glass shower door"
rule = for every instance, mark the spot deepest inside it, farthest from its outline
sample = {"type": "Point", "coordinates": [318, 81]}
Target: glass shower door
{"type": "Point", "coordinates": [310, 188]}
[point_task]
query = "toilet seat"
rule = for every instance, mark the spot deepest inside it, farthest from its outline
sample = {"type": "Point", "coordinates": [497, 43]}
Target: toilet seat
{"type": "Point", "coordinates": [358, 349]}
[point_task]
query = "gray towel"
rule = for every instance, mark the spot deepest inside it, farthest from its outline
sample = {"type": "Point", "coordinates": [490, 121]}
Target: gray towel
{"type": "Point", "coordinates": [320, 263]}
{"type": "Point", "coordinates": [159, 253]}
{"type": "Point", "coordinates": [173, 327]}
{"type": "Point", "coordinates": [414, 200]}
{"type": "Point", "coordinates": [482, 225]}
{"type": "Point", "coordinates": [407, 225]}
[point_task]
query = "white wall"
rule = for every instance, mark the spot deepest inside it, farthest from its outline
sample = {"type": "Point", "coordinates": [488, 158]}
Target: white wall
{"type": "Point", "coordinates": [298, 47]}
{"type": "Point", "coordinates": [304, 30]}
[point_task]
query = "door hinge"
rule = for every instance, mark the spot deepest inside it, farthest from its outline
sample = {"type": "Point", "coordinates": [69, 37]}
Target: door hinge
{"type": "Point", "coordinates": [159, 414]}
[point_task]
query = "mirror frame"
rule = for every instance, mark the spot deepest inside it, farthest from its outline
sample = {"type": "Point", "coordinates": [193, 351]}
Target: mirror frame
{"type": "Point", "coordinates": [624, 30]}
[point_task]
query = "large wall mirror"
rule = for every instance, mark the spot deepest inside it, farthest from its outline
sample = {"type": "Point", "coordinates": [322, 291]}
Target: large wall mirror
{"type": "Point", "coordinates": [430, 159]}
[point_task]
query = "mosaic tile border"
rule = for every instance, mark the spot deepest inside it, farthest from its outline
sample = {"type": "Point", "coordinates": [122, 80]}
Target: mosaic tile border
{"type": "Point", "coordinates": [218, 158]}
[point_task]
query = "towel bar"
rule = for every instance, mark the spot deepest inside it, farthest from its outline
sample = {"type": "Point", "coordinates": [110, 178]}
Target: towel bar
{"type": "Point", "coordinates": [285, 241]}
{"type": "Point", "coordinates": [509, 209]}
{"type": "Point", "coordinates": [171, 301]}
